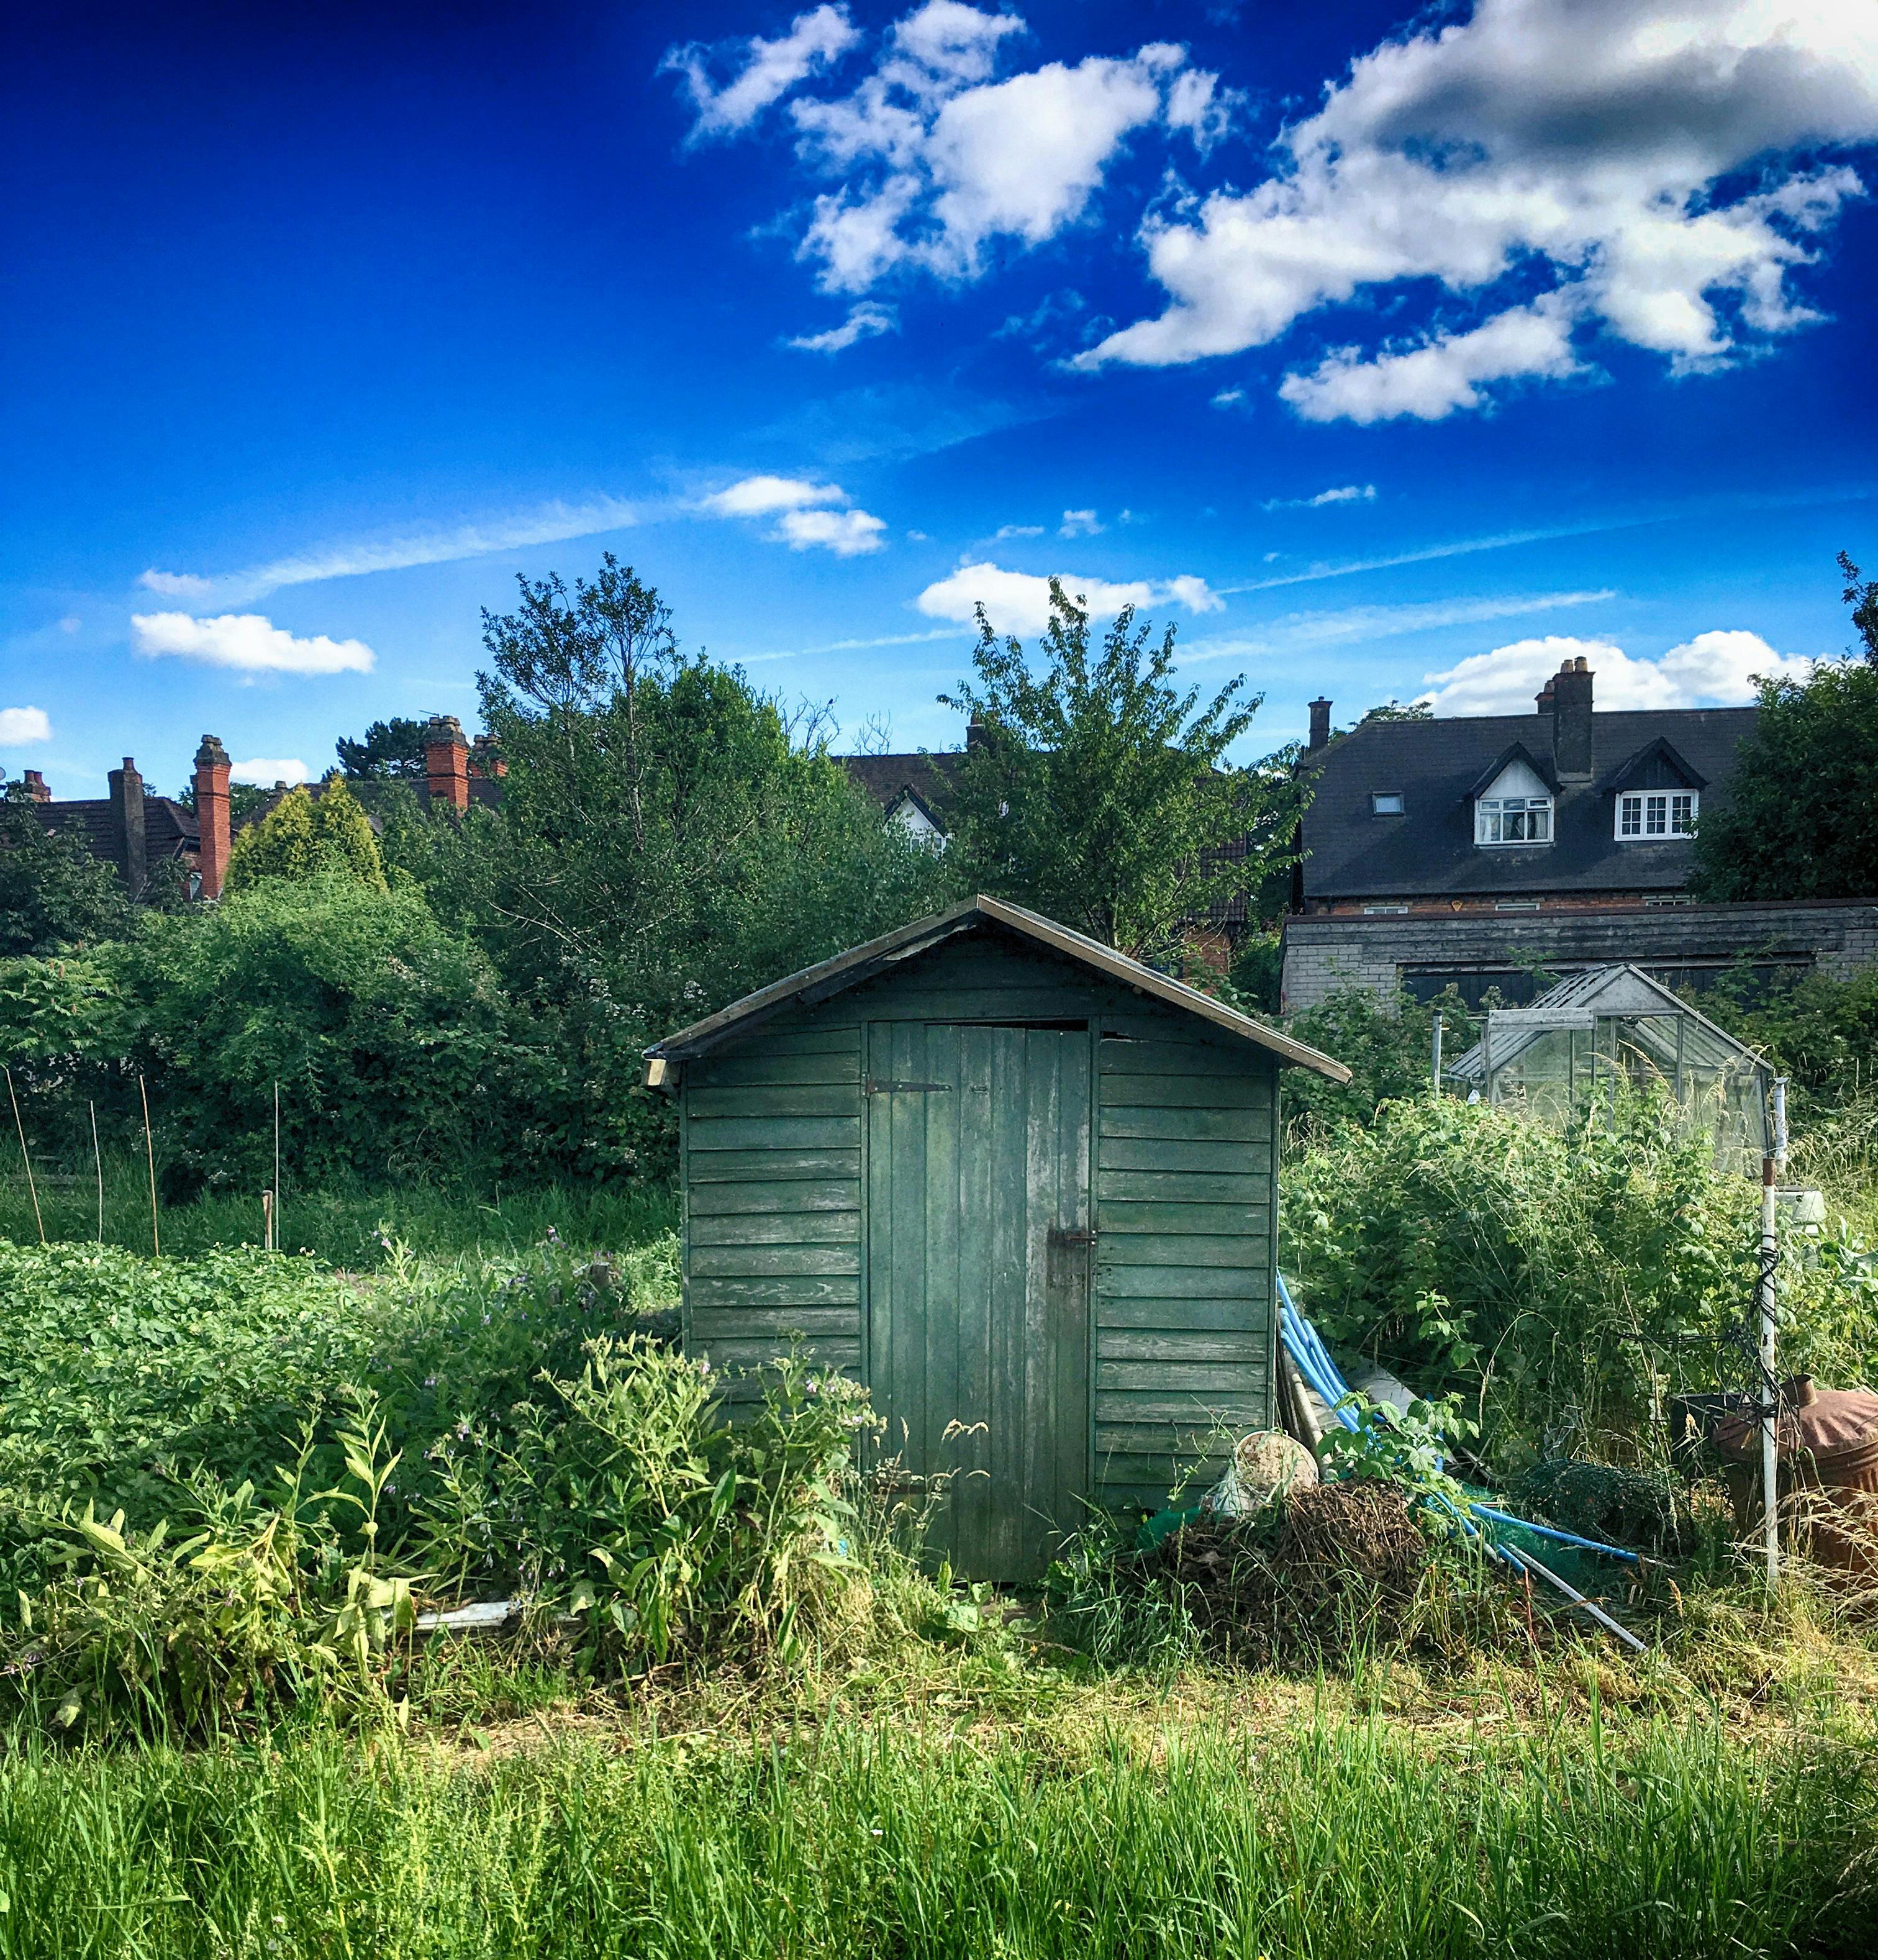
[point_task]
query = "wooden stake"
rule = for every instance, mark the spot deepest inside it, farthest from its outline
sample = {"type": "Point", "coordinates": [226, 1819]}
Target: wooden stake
{"type": "Point", "coordinates": [273, 1209]}
{"type": "Point", "coordinates": [98, 1159]}
{"type": "Point", "coordinates": [26, 1158]}
{"type": "Point", "coordinates": [267, 1221]}
{"type": "Point", "coordinates": [150, 1156]}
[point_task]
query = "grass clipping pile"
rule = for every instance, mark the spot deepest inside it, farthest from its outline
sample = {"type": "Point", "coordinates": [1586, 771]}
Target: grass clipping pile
{"type": "Point", "coordinates": [1325, 1569]}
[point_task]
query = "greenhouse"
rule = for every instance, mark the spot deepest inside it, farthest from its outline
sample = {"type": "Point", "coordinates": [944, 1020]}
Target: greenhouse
{"type": "Point", "coordinates": [1614, 1024]}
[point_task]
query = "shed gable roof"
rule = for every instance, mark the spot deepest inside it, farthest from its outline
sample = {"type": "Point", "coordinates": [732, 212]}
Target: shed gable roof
{"type": "Point", "coordinates": [868, 962]}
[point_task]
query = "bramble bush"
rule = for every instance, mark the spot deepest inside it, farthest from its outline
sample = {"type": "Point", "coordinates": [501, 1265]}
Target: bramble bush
{"type": "Point", "coordinates": [1561, 1282]}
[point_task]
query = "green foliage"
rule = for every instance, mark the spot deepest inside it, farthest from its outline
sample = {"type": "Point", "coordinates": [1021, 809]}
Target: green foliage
{"type": "Point", "coordinates": [1669, 1839]}
{"type": "Point", "coordinates": [53, 893]}
{"type": "Point", "coordinates": [1387, 1046]}
{"type": "Point", "coordinates": [1861, 595]}
{"type": "Point", "coordinates": [391, 751]}
{"type": "Point", "coordinates": [1560, 1282]}
{"type": "Point", "coordinates": [1406, 1448]}
{"type": "Point", "coordinates": [302, 837]}
{"type": "Point", "coordinates": [1763, 841]}
{"type": "Point", "coordinates": [1099, 796]}
{"type": "Point", "coordinates": [1821, 1034]}
{"type": "Point", "coordinates": [388, 1036]}
{"type": "Point", "coordinates": [516, 1433]}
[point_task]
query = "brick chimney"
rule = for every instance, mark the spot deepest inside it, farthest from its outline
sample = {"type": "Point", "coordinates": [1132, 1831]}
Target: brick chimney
{"type": "Point", "coordinates": [485, 759]}
{"type": "Point", "coordinates": [1544, 698]}
{"type": "Point", "coordinates": [36, 786]}
{"type": "Point", "coordinates": [211, 816]}
{"type": "Point", "coordinates": [1570, 691]}
{"type": "Point", "coordinates": [446, 762]}
{"type": "Point", "coordinates": [127, 825]}
{"type": "Point", "coordinates": [1319, 724]}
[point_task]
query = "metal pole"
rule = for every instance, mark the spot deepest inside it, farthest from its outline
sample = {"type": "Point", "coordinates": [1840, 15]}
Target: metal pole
{"type": "Point", "coordinates": [1770, 1381]}
{"type": "Point", "coordinates": [1435, 1072]}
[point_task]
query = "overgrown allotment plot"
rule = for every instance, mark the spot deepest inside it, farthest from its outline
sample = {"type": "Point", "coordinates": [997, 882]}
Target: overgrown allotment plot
{"type": "Point", "coordinates": [728, 1744]}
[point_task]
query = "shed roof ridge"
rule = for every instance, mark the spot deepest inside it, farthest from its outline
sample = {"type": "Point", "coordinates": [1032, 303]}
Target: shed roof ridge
{"type": "Point", "coordinates": [858, 963]}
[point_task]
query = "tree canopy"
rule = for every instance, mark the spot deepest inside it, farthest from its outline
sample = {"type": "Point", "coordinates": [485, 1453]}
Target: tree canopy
{"type": "Point", "coordinates": [1096, 791]}
{"type": "Point", "coordinates": [1799, 820]}
{"type": "Point", "coordinates": [53, 892]}
{"type": "Point", "coordinates": [389, 752]}
{"type": "Point", "coordinates": [302, 837]}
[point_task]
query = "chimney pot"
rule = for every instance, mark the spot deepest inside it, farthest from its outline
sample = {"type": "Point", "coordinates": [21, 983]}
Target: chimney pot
{"type": "Point", "coordinates": [1319, 724]}
{"type": "Point", "coordinates": [446, 762]}
{"type": "Point", "coordinates": [36, 786]}
{"type": "Point", "coordinates": [212, 817]}
{"type": "Point", "coordinates": [1570, 691]}
{"type": "Point", "coordinates": [127, 824]}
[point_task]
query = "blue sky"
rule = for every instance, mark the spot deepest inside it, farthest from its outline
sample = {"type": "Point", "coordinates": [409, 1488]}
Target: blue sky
{"type": "Point", "coordinates": [1384, 353]}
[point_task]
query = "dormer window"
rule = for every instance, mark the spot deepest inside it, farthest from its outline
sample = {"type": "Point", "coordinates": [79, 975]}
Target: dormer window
{"type": "Point", "coordinates": [1646, 816]}
{"type": "Point", "coordinates": [1513, 820]}
{"type": "Point", "coordinates": [1386, 802]}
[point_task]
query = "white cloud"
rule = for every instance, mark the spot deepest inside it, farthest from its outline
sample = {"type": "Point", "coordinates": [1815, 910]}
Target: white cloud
{"type": "Point", "coordinates": [549, 523]}
{"type": "Point", "coordinates": [1443, 373]}
{"type": "Point", "coordinates": [844, 532]}
{"type": "Point", "coordinates": [1608, 143]}
{"type": "Point", "coordinates": [767, 70]}
{"type": "Point", "coordinates": [1344, 493]}
{"type": "Point", "coordinates": [268, 770]}
{"type": "Point", "coordinates": [1079, 524]}
{"type": "Point", "coordinates": [757, 496]}
{"type": "Point", "coordinates": [70, 623]}
{"type": "Point", "coordinates": [1712, 670]}
{"type": "Point", "coordinates": [930, 158]}
{"type": "Point", "coordinates": [808, 514]}
{"type": "Point", "coordinates": [864, 321]}
{"type": "Point", "coordinates": [1019, 602]}
{"type": "Point", "coordinates": [19, 725]}
{"type": "Point", "coordinates": [247, 641]}
{"type": "Point", "coordinates": [1230, 398]}
{"type": "Point", "coordinates": [1004, 531]}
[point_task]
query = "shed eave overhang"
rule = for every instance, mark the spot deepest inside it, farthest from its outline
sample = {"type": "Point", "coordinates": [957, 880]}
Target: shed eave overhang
{"type": "Point", "coordinates": [868, 961]}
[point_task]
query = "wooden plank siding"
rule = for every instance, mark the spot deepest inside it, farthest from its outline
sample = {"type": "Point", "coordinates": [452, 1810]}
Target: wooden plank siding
{"type": "Point", "coordinates": [770, 1140]}
{"type": "Point", "coordinates": [775, 1176]}
{"type": "Point", "coordinates": [1185, 1195]}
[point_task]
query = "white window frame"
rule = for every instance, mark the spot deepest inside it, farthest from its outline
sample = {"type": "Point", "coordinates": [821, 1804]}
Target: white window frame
{"type": "Point", "coordinates": [1655, 816]}
{"type": "Point", "coordinates": [1494, 816]}
{"type": "Point", "coordinates": [1379, 797]}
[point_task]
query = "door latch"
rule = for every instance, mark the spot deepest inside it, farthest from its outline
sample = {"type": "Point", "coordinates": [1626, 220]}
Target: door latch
{"type": "Point", "coordinates": [1062, 1236]}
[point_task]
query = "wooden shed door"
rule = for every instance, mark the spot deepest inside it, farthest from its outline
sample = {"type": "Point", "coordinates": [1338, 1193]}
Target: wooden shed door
{"type": "Point", "coordinates": [978, 1257]}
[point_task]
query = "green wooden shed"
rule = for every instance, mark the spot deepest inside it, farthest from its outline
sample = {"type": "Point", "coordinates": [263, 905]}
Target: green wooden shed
{"type": "Point", "coordinates": [1024, 1188]}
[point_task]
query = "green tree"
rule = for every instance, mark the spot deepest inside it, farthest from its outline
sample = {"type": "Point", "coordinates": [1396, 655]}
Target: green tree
{"type": "Point", "coordinates": [300, 837]}
{"type": "Point", "coordinates": [389, 1036]}
{"type": "Point", "coordinates": [390, 752]}
{"type": "Point", "coordinates": [1099, 797]}
{"type": "Point", "coordinates": [1799, 820]}
{"type": "Point", "coordinates": [343, 834]}
{"type": "Point", "coordinates": [53, 892]}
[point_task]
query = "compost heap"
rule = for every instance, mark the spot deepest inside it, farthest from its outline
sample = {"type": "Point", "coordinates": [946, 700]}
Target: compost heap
{"type": "Point", "coordinates": [1326, 1568]}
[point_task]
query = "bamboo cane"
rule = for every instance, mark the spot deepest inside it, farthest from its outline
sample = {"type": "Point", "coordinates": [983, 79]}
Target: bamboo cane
{"type": "Point", "coordinates": [97, 1158]}
{"type": "Point", "coordinates": [150, 1157]}
{"type": "Point", "coordinates": [26, 1157]}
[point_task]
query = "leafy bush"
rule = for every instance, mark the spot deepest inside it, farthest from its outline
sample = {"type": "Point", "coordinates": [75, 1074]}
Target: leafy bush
{"type": "Point", "coordinates": [303, 838]}
{"type": "Point", "coordinates": [1387, 1046]}
{"type": "Point", "coordinates": [1561, 1281]}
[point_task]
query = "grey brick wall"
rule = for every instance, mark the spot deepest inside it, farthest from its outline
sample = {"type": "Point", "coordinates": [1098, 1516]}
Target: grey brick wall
{"type": "Point", "coordinates": [1324, 952]}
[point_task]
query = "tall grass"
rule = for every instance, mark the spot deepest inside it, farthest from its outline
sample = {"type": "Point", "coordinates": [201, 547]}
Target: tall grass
{"type": "Point", "coordinates": [1328, 1841]}
{"type": "Point", "coordinates": [340, 1224]}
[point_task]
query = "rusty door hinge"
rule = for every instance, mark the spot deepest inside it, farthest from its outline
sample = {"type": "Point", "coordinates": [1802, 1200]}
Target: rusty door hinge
{"type": "Point", "coordinates": [1060, 1236]}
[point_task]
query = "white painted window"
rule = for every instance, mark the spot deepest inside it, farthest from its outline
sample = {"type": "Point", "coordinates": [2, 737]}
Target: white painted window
{"type": "Point", "coordinates": [1645, 816]}
{"type": "Point", "coordinates": [1386, 802]}
{"type": "Point", "coordinates": [1389, 911]}
{"type": "Point", "coordinates": [1517, 810]}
